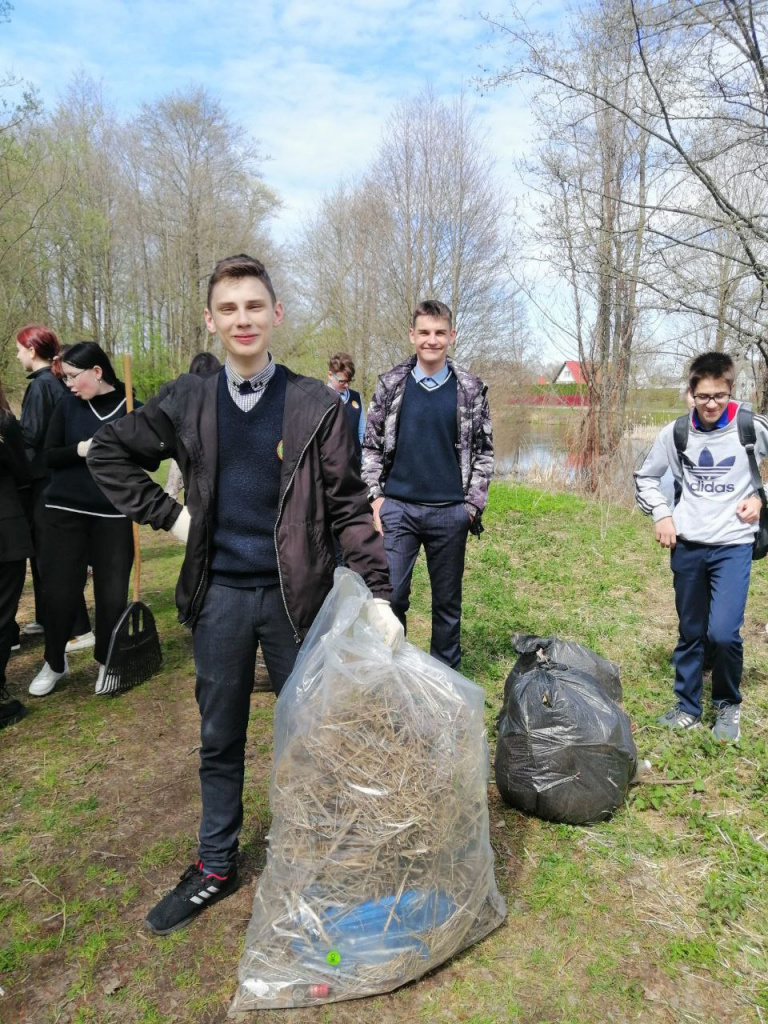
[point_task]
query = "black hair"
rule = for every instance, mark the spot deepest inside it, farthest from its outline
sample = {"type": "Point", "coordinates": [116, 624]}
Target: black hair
{"type": "Point", "coordinates": [87, 354]}
{"type": "Point", "coordinates": [711, 364]}
{"type": "Point", "coordinates": [204, 364]}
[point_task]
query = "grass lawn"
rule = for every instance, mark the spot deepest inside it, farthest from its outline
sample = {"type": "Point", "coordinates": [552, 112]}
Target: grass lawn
{"type": "Point", "coordinates": [660, 915]}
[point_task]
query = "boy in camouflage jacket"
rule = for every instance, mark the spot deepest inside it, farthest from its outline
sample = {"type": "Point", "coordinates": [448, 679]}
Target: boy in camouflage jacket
{"type": "Point", "coordinates": [427, 462]}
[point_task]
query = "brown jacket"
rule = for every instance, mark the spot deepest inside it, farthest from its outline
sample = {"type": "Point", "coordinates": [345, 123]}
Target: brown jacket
{"type": "Point", "coordinates": [320, 485]}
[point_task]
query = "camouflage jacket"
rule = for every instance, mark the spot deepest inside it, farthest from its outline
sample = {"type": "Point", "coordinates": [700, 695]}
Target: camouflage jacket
{"type": "Point", "coordinates": [475, 447]}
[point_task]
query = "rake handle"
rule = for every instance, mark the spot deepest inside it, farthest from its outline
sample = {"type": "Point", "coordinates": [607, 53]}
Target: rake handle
{"type": "Point", "coordinates": [128, 378]}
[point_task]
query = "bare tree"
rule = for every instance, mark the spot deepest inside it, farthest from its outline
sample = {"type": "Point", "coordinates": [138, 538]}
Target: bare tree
{"type": "Point", "coordinates": [441, 213]}
{"type": "Point", "coordinates": [714, 131]}
{"type": "Point", "coordinates": [195, 175]}
{"type": "Point", "coordinates": [705, 118]}
{"type": "Point", "coordinates": [79, 278]}
{"type": "Point", "coordinates": [27, 193]}
{"type": "Point", "coordinates": [426, 221]}
{"type": "Point", "coordinates": [591, 174]}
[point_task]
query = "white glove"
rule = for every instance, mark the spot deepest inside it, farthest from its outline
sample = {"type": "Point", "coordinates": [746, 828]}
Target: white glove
{"type": "Point", "coordinates": [180, 529]}
{"type": "Point", "coordinates": [383, 620]}
{"type": "Point", "coordinates": [83, 446]}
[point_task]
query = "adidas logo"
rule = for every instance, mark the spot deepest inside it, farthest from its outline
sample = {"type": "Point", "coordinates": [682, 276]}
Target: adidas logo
{"type": "Point", "coordinates": [706, 474]}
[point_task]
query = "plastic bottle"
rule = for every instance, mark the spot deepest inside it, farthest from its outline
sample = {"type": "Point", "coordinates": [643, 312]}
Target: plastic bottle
{"type": "Point", "coordinates": [300, 993]}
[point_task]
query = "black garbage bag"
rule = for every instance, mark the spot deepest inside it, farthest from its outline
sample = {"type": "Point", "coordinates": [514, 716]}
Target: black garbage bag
{"type": "Point", "coordinates": [564, 751]}
{"type": "Point", "coordinates": [533, 649]}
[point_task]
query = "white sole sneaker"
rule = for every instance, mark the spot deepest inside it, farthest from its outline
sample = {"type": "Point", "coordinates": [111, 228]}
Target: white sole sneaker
{"type": "Point", "coordinates": [32, 629]}
{"type": "Point", "coordinates": [80, 643]}
{"type": "Point", "coordinates": [99, 688]}
{"type": "Point", "coordinates": [46, 680]}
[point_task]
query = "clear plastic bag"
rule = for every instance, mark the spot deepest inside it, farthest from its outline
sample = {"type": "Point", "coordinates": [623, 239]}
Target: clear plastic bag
{"type": "Point", "coordinates": [379, 865]}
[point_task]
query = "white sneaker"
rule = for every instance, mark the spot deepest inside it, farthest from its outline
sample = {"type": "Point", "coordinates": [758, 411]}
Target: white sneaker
{"type": "Point", "coordinates": [99, 688]}
{"type": "Point", "coordinates": [32, 629]}
{"type": "Point", "coordinates": [80, 643]}
{"type": "Point", "coordinates": [46, 679]}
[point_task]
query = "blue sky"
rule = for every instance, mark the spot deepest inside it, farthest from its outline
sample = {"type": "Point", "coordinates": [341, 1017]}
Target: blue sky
{"type": "Point", "coordinates": [313, 83]}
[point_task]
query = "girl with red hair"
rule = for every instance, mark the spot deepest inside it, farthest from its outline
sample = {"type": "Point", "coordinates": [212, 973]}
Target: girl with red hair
{"type": "Point", "coordinates": [36, 348]}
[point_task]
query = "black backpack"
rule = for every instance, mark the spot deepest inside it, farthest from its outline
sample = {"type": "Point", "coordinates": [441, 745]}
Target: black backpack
{"type": "Point", "coordinates": [745, 425]}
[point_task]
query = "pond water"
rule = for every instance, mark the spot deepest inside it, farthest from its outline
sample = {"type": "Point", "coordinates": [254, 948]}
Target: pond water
{"type": "Point", "coordinates": [527, 446]}
{"type": "Point", "coordinates": [533, 448]}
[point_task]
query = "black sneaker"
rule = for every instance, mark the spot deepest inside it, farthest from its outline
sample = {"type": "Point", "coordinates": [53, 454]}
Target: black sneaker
{"type": "Point", "coordinates": [11, 711]}
{"type": "Point", "coordinates": [195, 891]}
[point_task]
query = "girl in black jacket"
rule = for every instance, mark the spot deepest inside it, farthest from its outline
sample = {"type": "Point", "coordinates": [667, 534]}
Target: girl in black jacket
{"type": "Point", "coordinates": [36, 348]}
{"type": "Point", "coordinates": [15, 546]}
{"type": "Point", "coordinates": [82, 527]}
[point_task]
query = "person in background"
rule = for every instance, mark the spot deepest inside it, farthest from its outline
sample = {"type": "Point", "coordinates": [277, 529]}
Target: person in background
{"type": "Point", "coordinates": [204, 364]}
{"type": "Point", "coordinates": [428, 461]}
{"type": "Point", "coordinates": [36, 348]}
{"type": "Point", "coordinates": [15, 546]}
{"type": "Point", "coordinates": [709, 533]}
{"type": "Point", "coordinates": [82, 527]}
{"type": "Point", "coordinates": [341, 373]}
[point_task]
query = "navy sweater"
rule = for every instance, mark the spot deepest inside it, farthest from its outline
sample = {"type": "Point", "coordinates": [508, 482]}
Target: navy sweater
{"type": "Point", "coordinates": [248, 486]}
{"type": "Point", "coordinates": [425, 469]}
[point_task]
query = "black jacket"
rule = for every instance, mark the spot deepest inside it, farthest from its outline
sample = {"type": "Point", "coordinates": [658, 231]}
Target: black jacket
{"type": "Point", "coordinates": [320, 484]}
{"type": "Point", "coordinates": [15, 539]}
{"type": "Point", "coordinates": [70, 485]}
{"type": "Point", "coordinates": [43, 394]}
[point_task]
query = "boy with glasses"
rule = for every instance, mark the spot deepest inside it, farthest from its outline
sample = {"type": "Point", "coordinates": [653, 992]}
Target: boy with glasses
{"type": "Point", "coordinates": [710, 535]}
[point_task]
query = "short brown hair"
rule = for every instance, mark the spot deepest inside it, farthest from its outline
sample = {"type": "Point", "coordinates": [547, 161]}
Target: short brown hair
{"type": "Point", "coordinates": [236, 267]}
{"type": "Point", "coordinates": [711, 364]}
{"type": "Point", "coordinates": [431, 307]}
{"type": "Point", "coordinates": [342, 362]}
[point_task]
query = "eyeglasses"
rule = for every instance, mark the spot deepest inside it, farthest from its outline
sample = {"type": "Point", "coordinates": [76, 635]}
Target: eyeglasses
{"type": "Point", "coordinates": [69, 377]}
{"type": "Point", "coordinates": [719, 398]}
{"type": "Point", "coordinates": [344, 381]}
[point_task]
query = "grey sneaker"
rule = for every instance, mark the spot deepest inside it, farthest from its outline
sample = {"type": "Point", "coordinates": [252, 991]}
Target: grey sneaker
{"type": "Point", "coordinates": [676, 718]}
{"type": "Point", "coordinates": [727, 723]}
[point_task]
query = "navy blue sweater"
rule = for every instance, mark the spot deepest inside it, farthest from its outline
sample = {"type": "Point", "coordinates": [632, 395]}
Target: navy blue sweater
{"type": "Point", "coordinates": [248, 486]}
{"type": "Point", "coordinates": [425, 469]}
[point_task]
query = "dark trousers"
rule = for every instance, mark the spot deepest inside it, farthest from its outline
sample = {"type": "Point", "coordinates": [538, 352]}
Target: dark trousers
{"type": "Point", "coordinates": [232, 624]}
{"type": "Point", "coordinates": [711, 585]}
{"type": "Point", "coordinates": [11, 586]}
{"type": "Point", "coordinates": [443, 531]}
{"type": "Point", "coordinates": [82, 623]}
{"type": "Point", "coordinates": [71, 542]}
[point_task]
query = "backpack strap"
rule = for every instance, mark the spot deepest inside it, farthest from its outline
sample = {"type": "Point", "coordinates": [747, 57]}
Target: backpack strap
{"type": "Point", "coordinates": [680, 433]}
{"type": "Point", "coordinates": [745, 424]}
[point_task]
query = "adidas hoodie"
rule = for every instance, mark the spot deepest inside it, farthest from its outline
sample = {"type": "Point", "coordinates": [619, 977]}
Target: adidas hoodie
{"type": "Point", "coordinates": [714, 477]}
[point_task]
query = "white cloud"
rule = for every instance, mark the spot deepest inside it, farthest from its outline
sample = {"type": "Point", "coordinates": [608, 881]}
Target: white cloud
{"type": "Point", "coordinates": [313, 83]}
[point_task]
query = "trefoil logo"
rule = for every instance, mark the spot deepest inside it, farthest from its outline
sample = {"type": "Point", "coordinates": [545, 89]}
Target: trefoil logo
{"type": "Point", "coordinates": [706, 476]}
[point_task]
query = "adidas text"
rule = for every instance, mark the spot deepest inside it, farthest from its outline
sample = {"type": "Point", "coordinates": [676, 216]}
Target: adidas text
{"type": "Point", "coordinates": [709, 487]}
